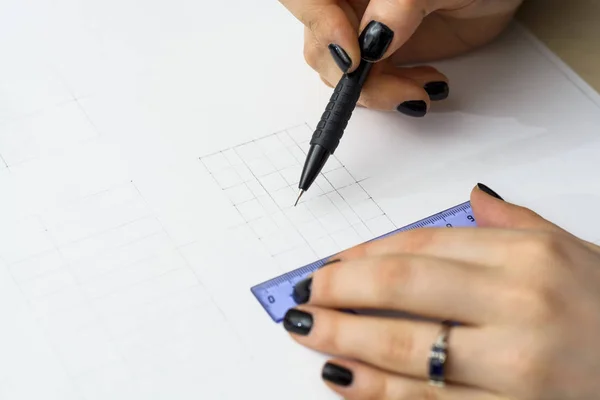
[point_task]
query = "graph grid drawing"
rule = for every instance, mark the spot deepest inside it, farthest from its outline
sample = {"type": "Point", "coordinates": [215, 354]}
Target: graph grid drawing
{"type": "Point", "coordinates": [111, 291]}
{"type": "Point", "coordinates": [260, 179]}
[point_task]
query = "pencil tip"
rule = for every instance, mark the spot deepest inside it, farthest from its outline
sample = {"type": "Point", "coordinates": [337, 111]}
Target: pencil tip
{"type": "Point", "coordinates": [298, 199]}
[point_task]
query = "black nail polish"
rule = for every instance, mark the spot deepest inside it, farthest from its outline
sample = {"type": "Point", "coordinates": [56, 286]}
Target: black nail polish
{"type": "Point", "coordinates": [414, 108]}
{"type": "Point", "coordinates": [489, 191]}
{"type": "Point", "coordinates": [335, 374]}
{"type": "Point", "coordinates": [302, 290]}
{"type": "Point", "coordinates": [340, 57]}
{"type": "Point", "coordinates": [297, 321]}
{"type": "Point", "coordinates": [437, 90]}
{"type": "Point", "coordinates": [374, 41]}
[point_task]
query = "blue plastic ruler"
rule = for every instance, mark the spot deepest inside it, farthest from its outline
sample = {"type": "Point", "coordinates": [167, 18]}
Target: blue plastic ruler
{"type": "Point", "coordinates": [275, 295]}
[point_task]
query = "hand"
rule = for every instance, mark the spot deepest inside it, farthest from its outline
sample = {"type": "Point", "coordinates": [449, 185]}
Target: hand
{"type": "Point", "coordinates": [525, 292]}
{"type": "Point", "coordinates": [409, 31]}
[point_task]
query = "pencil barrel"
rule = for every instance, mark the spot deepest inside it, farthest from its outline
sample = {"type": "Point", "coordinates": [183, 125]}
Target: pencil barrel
{"type": "Point", "coordinates": [342, 102]}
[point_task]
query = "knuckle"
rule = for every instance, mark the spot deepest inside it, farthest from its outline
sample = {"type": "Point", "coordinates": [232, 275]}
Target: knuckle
{"type": "Point", "coordinates": [368, 100]}
{"type": "Point", "coordinates": [390, 275]}
{"type": "Point", "coordinates": [417, 239]}
{"type": "Point", "coordinates": [411, 3]}
{"type": "Point", "coordinates": [539, 307]}
{"type": "Point", "coordinates": [539, 255]}
{"type": "Point", "coordinates": [396, 348]}
{"type": "Point", "coordinates": [541, 279]}
{"type": "Point", "coordinates": [529, 364]}
{"type": "Point", "coordinates": [311, 55]}
{"type": "Point", "coordinates": [314, 24]}
{"type": "Point", "coordinates": [309, 19]}
{"type": "Point", "coordinates": [544, 247]}
{"type": "Point", "coordinates": [533, 305]}
{"type": "Point", "coordinates": [421, 6]}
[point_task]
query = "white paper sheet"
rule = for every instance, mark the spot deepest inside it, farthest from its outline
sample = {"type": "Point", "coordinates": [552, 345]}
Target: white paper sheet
{"type": "Point", "coordinates": [149, 153]}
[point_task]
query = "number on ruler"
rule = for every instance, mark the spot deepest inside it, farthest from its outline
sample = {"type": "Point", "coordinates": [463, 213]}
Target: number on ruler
{"type": "Point", "coordinates": [271, 299]}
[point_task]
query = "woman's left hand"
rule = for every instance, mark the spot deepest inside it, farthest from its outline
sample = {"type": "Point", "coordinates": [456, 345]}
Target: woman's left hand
{"type": "Point", "coordinates": [525, 293]}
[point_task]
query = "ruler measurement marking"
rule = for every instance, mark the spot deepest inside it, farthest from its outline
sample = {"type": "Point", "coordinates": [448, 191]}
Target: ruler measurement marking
{"type": "Point", "coordinates": [275, 295]}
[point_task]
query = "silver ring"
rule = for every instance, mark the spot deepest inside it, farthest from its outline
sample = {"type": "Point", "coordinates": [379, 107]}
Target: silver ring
{"type": "Point", "coordinates": [438, 356]}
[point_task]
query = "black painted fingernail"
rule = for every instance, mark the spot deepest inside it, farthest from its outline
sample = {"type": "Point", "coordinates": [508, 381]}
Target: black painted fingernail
{"type": "Point", "coordinates": [437, 90]}
{"type": "Point", "coordinates": [414, 108]}
{"type": "Point", "coordinates": [302, 291]}
{"type": "Point", "coordinates": [297, 321]}
{"type": "Point", "coordinates": [489, 191]}
{"type": "Point", "coordinates": [340, 57]}
{"type": "Point", "coordinates": [374, 41]}
{"type": "Point", "coordinates": [335, 374]}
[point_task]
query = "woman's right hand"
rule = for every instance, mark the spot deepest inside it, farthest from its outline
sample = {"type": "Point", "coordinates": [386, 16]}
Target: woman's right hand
{"type": "Point", "coordinates": [396, 32]}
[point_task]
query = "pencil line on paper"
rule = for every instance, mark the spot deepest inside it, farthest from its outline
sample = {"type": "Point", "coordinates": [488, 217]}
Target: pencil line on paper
{"type": "Point", "coordinates": [199, 280]}
{"type": "Point", "coordinates": [254, 176]}
{"type": "Point", "coordinates": [87, 116]}
{"type": "Point", "coordinates": [102, 232]}
{"type": "Point", "coordinates": [253, 210]}
{"type": "Point", "coordinates": [271, 197]}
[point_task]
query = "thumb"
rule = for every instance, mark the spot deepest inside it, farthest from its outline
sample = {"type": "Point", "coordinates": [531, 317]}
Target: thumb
{"type": "Point", "coordinates": [490, 210]}
{"type": "Point", "coordinates": [386, 25]}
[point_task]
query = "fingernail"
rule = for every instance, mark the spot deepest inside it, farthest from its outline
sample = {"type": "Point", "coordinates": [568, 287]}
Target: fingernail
{"type": "Point", "coordinates": [414, 108]}
{"type": "Point", "coordinates": [297, 321]}
{"type": "Point", "coordinates": [374, 41]}
{"type": "Point", "coordinates": [340, 57]}
{"type": "Point", "coordinates": [336, 374]}
{"type": "Point", "coordinates": [437, 90]}
{"type": "Point", "coordinates": [489, 191]}
{"type": "Point", "coordinates": [302, 291]}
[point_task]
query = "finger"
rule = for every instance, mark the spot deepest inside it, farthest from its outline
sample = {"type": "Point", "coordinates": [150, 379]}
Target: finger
{"type": "Point", "coordinates": [395, 345]}
{"type": "Point", "coordinates": [490, 211]}
{"type": "Point", "coordinates": [355, 380]}
{"type": "Point", "coordinates": [334, 34]}
{"type": "Point", "coordinates": [387, 91]}
{"type": "Point", "coordinates": [318, 59]}
{"type": "Point", "coordinates": [430, 79]}
{"type": "Point", "coordinates": [481, 246]}
{"type": "Point", "coordinates": [424, 286]}
{"type": "Point", "coordinates": [501, 225]}
{"type": "Point", "coordinates": [384, 20]}
{"type": "Point", "coordinates": [383, 91]}
{"type": "Point", "coordinates": [390, 87]}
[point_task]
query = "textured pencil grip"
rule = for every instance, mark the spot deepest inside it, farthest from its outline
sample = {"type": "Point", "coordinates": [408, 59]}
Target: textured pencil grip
{"type": "Point", "coordinates": [342, 102]}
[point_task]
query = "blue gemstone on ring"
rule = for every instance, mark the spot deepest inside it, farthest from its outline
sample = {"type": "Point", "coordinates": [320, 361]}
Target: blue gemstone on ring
{"type": "Point", "coordinates": [436, 363]}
